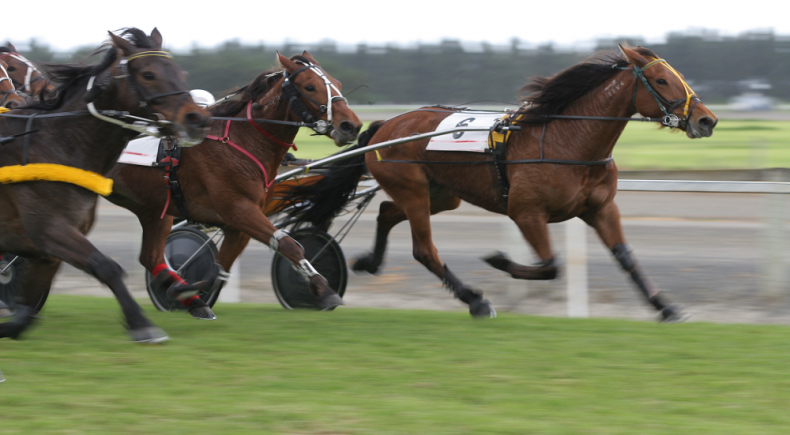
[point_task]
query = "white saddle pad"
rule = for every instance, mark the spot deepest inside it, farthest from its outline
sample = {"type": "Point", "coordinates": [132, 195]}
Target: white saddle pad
{"type": "Point", "coordinates": [141, 152]}
{"type": "Point", "coordinates": [470, 141]}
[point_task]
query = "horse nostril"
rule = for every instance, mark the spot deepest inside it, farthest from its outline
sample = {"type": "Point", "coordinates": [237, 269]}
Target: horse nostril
{"type": "Point", "coordinates": [197, 120]}
{"type": "Point", "coordinates": [11, 105]}
{"type": "Point", "coordinates": [347, 128]}
{"type": "Point", "coordinates": [706, 122]}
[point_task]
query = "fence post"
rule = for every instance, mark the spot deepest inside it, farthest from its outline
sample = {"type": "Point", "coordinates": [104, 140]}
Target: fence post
{"type": "Point", "coordinates": [576, 267]}
{"type": "Point", "coordinates": [231, 292]}
{"type": "Point", "coordinates": [773, 270]}
{"type": "Point", "coordinates": [517, 289]}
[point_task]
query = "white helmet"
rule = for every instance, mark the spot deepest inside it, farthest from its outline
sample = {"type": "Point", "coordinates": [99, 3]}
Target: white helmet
{"type": "Point", "coordinates": [202, 98]}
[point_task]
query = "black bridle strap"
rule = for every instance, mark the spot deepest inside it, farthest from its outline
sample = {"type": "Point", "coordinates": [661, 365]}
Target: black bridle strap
{"type": "Point", "coordinates": [26, 145]}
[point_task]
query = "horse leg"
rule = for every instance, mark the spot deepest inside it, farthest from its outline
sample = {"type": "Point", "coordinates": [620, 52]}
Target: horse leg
{"type": "Point", "coordinates": [152, 257]}
{"type": "Point", "coordinates": [37, 280]}
{"type": "Point", "coordinates": [59, 239]}
{"type": "Point", "coordinates": [233, 245]}
{"type": "Point", "coordinates": [389, 216]}
{"type": "Point", "coordinates": [248, 218]}
{"type": "Point", "coordinates": [417, 209]}
{"type": "Point", "coordinates": [606, 222]}
{"type": "Point", "coordinates": [534, 229]}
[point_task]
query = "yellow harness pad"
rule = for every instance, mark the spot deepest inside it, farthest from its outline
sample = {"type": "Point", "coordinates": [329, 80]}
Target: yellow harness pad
{"type": "Point", "coordinates": [51, 172]}
{"type": "Point", "coordinates": [4, 109]}
{"type": "Point", "coordinates": [499, 138]}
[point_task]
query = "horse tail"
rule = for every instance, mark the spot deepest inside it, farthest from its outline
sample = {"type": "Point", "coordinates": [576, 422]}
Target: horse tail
{"type": "Point", "coordinates": [329, 195]}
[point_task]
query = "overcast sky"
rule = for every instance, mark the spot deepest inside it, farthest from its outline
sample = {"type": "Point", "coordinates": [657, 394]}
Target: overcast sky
{"type": "Point", "coordinates": [64, 24]}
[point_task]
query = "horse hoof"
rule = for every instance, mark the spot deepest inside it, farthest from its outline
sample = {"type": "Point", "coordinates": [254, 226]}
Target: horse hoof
{"type": "Point", "coordinates": [149, 335]}
{"type": "Point", "coordinates": [202, 313]}
{"type": "Point", "coordinates": [331, 302]}
{"type": "Point", "coordinates": [365, 264]}
{"type": "Point", "coordinates": [481, 308]}
{"type": "Point", "coordinates": [23, 318]}
{"type": "Point", "coordinates": [673, 315]}
{"type": "Point", "coordinates": [498, 260]}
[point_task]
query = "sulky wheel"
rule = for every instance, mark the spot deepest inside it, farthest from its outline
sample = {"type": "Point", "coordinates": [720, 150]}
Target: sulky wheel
{"type": "Point", "coordinates": [11, 271]}
{"type": "Point", "coordinates": [326, 256]}
{"type": "Point", "coordinates": [181, 245]}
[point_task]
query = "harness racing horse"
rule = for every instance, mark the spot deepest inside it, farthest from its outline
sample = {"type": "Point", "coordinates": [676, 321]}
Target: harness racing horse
{"type": "Point", "coordinates": [26, 77]}
{"type": "Point", "coordinates": [226, 181]}
{"type": "Point", "coordinates": [9, 99]}
{"type": "Point", "coordinates": [46, 221]}
{"type": "Point", "coordinates": [556, 168]}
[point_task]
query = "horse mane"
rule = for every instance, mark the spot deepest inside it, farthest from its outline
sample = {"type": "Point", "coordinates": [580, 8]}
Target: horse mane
{"type": "Point", "coordinates": [551, 95]}
{"type": "Point", "coordinates": [74, 77]}
{"type": "Point", "coordinates": [260, 85]}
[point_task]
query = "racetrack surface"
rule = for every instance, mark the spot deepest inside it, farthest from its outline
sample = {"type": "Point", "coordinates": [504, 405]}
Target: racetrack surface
{"type": "Point", "coordinates": [705, 250]}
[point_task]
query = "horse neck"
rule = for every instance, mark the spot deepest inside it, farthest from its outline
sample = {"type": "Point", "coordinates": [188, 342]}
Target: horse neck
{"type": "Point", "coordinates": [91, 143]}
{"type": "Point", "coordinates": [593, 139]}
{"type": "Point", "coordinates": [263, 148]}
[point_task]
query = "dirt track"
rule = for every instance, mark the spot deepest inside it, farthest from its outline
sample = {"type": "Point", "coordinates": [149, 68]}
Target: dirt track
{"type": "Point", "coordinates": [704, 250]}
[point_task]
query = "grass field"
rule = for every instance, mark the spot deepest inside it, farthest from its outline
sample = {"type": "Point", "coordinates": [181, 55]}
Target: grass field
{"type": "Point", "coordinates": [263, 370]}
{"type": "Point", "coordinates": [735, 144]}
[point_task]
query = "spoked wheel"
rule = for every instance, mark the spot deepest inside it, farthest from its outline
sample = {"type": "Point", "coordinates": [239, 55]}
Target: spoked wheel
{"type": "Point", "coordinates": [12, 268]}
{"type": "Point", "coordinates": [192, 245]}
{"type": "Point", "coordinates": [326, 256]}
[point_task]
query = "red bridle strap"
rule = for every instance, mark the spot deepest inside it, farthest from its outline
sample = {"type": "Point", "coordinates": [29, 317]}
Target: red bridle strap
{"type": "Point", "coordinates": [226, 140]}
{"type": "Point", "coordinates": [266, 133]}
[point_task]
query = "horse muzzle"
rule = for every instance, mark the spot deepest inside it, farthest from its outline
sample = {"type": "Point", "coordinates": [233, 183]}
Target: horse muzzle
{"type": "Point", "coordinates": [345, 133]}
{"type": "Point", "coordinates": [700, 127]}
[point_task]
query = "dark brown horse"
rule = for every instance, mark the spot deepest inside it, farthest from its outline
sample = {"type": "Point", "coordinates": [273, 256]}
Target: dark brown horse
{"type": "Point", "coordinates": [45, 222]}
{"type": "Point", "coordinates": [8, 95]}
{"type": "Point", "coordinates": [26, 77]}
{"type": "Point", "coordinates": [557, 167]}
{"type": "Point", "coordinates": [226, 180]}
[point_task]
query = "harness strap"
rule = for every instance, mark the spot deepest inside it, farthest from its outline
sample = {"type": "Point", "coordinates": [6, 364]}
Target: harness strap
{"type": "Point", "coordinates": [226, 140]}
{"type": "Point", "coordinates": [264, 132]}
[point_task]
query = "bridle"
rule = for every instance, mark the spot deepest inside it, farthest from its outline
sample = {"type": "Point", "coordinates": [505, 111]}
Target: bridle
{"type": "Point", "coordinates": [145, 101]}
{"type": "Point", "coordinates": [666, 106]}
{"type": "Point", "coordinates": [291, 94]}
{"type": "Point", "coordinates": [5, 94]}
{"type": "Point", "coordinates": [29, 79]}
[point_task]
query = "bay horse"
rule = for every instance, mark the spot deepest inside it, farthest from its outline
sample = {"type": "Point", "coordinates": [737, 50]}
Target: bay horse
{"type": "Point", "coordinates": [45, 222]}
{"type": "Point", "coordinates": [26, 77]}
{"type": "Point", "coordinates": [226, 180]}
{"type": "Point", "coordinates": [557, 167]}
{"type": "Point", "coordinates": [9, 98]}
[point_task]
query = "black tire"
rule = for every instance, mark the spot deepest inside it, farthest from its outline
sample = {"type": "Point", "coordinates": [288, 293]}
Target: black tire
{"type": "Point", "coordinates": [290, 288]}
{"type": "Point", "coordinates": [11, 280]}
{"type": "Point", "coordinates": [180, 245]}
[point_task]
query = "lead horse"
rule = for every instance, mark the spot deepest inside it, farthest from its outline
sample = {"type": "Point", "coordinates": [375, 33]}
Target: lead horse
{"type": "Point", "coordinates": [556, 168]}
{"type": "Point", "coordinates": [226, 181]}
{"type": "Point", "coordinates": [46, 221]}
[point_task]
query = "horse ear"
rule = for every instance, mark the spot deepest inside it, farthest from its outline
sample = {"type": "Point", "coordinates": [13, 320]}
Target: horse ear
{"type": "Point", "coordinates": [632, 56]}
{"type": "Point", "coordinates": [308, 57]}
{"type": "Point", "coordinates": [286, 63]}
{"type": "Point", "coordinates": [11, 46]}
{"type": "Point", "coordinates": [156, 37]}
{"type": "Point", "coordinates": [125, 46]}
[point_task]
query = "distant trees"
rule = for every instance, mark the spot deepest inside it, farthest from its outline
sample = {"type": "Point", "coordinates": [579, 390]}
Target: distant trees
{"type": "Point", "coordinates": [454, 72]}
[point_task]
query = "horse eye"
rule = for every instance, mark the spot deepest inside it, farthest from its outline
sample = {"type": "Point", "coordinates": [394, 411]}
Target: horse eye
{"type": "Point", "coordinates": [309, 88]}
{"type": "Point", "coordinates": [661, 81]}
{"type": "Point", "coordinates": [11, 69]}
{"type": "Point", "coordinates": [148, 75]}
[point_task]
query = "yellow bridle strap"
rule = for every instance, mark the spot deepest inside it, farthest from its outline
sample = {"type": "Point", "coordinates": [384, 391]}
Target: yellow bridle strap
{"type": "Point", "coordinates": [149, 53]}
{"type": "Point", "coordinates": [689, 92]}
{"type": "Point", "coordinates": [51, 172]}
{"type": "Point", "coordinates": [4, 109]}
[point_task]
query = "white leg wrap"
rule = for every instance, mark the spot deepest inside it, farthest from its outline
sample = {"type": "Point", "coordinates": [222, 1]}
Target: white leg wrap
{"type": "Point", "coordinates": [274, 242]}
{"type": "Point", "coordinates": [306, 269]}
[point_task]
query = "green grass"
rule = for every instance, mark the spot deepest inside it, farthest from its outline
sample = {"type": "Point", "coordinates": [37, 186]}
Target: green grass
{"type": "Point", "coordinates": [263, 370]}
{"type": "Point", "coordinates": [735, 144]}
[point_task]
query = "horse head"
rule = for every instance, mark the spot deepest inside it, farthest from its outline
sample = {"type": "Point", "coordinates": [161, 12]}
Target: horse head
{"type": "Point", "coordinates": [26, 77]}
{"type": "Point", "coordinates": [663, 92]}
{"type": "Point", "coordinates": [8, 96]}
{"type": "Point", "coordinates": [149, 84]}
{"type": "Point", "coordinates": [314, 96]}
